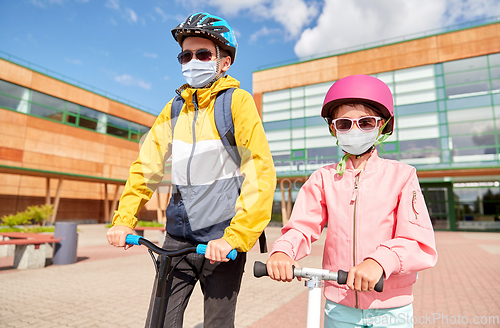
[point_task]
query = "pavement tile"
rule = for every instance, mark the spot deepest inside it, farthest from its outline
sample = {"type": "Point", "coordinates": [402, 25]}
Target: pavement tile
{"type": "Point", "coordinates": [110, 287]}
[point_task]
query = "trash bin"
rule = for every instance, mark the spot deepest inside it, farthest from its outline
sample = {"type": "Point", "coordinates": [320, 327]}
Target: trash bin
{"type": "Point", "coordinates": [65, 249]}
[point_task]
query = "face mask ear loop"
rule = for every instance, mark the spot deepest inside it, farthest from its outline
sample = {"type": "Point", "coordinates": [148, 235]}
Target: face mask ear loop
{"type": "Point", "coordinates": [384, 136]}
{"type": "Point", "coordinates": [342, 164]}
{"type": "Point", "coordinates": [330, 128]}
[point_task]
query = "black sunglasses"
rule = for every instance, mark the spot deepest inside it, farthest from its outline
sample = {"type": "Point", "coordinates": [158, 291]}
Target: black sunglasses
{"type": "Point", "coordinates": [201, 54]}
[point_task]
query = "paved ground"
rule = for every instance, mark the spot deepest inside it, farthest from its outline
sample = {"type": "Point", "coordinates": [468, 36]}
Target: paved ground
{"type": "Point", "coordinates": [108, 287]}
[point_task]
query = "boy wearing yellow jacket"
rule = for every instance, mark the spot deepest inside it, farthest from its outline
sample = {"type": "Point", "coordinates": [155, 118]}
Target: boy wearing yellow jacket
{"type": "Point", "coordinates": [215, 200]}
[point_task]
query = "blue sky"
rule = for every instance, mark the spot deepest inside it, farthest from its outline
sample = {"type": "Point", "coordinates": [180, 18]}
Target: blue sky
{"type": "Point", "coordinates": [125, 48]}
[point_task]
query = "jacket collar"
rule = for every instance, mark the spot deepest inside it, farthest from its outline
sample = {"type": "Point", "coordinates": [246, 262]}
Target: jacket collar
{"type": "Point", "coordinates": [372, 164]}
{"type": "Point", "coordinates": [205, 95]}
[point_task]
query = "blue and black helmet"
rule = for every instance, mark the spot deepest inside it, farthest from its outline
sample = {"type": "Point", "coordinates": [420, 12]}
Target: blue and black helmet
{"type": "Point", "coordinates": [208, 26]}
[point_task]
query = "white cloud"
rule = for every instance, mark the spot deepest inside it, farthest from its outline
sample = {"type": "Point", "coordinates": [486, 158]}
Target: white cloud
{"type": "Point", "coordinates": [131, 16]}
{"type": "Point", "coordinates": [293, 15]}
{"type": "Point", "coordinates": [160, 12]}
{"type": "Point", "coordinates": [74, 61]}
{"type": "Point", "coordinates": [150, 55]}
{"type": "Point", "coordinates": [113, 4]}
{"type": "Point", "coordinates": [263, 32]}
{"type": "Point", "coordinates": [344, 24]}
{"type": "Point", "coordinates": [127, 79]}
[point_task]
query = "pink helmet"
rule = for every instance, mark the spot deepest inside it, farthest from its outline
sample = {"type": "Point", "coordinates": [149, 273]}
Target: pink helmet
{"type": "Point", "coordinates": [361, 88]}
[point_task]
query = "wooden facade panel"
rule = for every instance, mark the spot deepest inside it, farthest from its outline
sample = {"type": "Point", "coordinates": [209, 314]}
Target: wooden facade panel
{"type": "Point", "coordinates": [430, 50]}
{"type": "Point", "coordinates": [121, 143]}
{"type": "Point", "coordinates": [15, 73]}
{"type": "Point", "coordinates": [132, 114]}
{"type": "Point", "coordinates": [12, 117]}
{"type": "Point", "coordinates": [11, 154]}
{"type": "Point", "coordinates": [12, 129]}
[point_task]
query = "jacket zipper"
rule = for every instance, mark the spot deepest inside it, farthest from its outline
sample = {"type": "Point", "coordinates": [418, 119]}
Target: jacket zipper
{"type": "Point", "coordinates": [354, 201]}
{"type": "Point", "coordinates": [413, 203]}
{"type": "Point", "coordinates": [188, 173]}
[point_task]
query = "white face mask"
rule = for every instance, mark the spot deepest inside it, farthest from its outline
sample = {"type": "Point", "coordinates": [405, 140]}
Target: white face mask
{"type": "Point", "coordinates": [198, 74]}
{"type": "Point", "coordinates": [356, 142]}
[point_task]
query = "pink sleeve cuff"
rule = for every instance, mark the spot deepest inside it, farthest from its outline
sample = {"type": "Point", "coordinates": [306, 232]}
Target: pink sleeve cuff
{"type": "Point", "coordinates": [388, 260]}
{"type": "Point", "coordinates": [283, 246]}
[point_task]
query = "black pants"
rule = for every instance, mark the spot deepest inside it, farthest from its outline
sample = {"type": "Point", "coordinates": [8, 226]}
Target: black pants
{"type": "Point", "coordinates": [219, 282]}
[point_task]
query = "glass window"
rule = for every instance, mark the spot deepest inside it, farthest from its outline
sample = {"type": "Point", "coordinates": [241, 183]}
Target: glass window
{"type": "Point", "coordinates": [413, 86]}
{"type": "Point", "coordinates": [46, 112]}
{"type": "Point", "coordinates": [417, 108]}
{"type": "Point", "coordinates": [414, 73]}
{"type": "Point", "coordinates": [298, 143]}
{"type": "Point", "coordinates": [72, 107]}
{"type": "Point", "coordinates": [92, 119]}
{"type": "Point", "coordinates": [280, 145]}
{"type": "Point", "coordinates": [312, 111]}
{"type": "Point", "coordinates": [320, 142]}
{"type": "Point", "coordinates": [276, 106]}
{"type": "Point", "coordinates": [275, 96]}
{"type": "Point", "coordinates": [278, 135]}
{"type": "Point", "coordinates": [46, 100]}
{"type": "Point", "coordinates": [315, 100]}
{"type": "Point", "coordinates": [416, 97]}
{"type": "Point", "coordinates": [468, 90]}
{"type": "Point", "coordinates": [411, 121]}
{"type": "Point", "coordinates": [317, 131]}
{"type": "Point", "coordinates": [418, 133]}
{"type": "Point", "coordinates": [388, 146]}
{"type": "Point", "coordinates": [494, 59]}
{"type": "Point", "coordinates": [422, 154]}
{"type": "Point", "coordinates": [310, 121]}
{"type": "Point", "coordinates": [466, 77]}
{"type": "Point", "coordinates": [476, 101]}
{"type": "Point", "coordinates": [471, 114]}
{"type": "Point", "coordinates": [495, 73]}
{"type": "Point", "coordinates": [276, 116]}
{"type": "Point", "coordinates": [471, 127]}
{"type": "Point", "coordinates": [298, 133]}
{"type": "Point", "coordinates": [324, 152]}
{"type": "Point", "coordinates": [297, 103]}
{"type": "Point", "coordinates": [418, 145]}
{"type": "Point", "coordinates": [117, 126]}
{"type": "Point", "coordinates": [474, 141]}
{"type": "Point", "coordinates": [298, 122]}
{"type": "Point", "coordinates": [297, 92]}
{"type": "Point", "coordinates": [13, 103]}
{"type": "Point", "coordinates": [385, 77]}
{"type": "Point", "coordinates": [277, 125]}
{"type": "Point", "coordinates": [495, 86]}
{"type": "Point", "coordinates": [465, 64]}
{"type": "Point", "coordinates": [297, 113]}
{"type": "Point", "coordinates": [12, 89]}
{"type": "Point", "coordinates": [474, 155]}
{"type": "Point", "coordinates": [317, 89]}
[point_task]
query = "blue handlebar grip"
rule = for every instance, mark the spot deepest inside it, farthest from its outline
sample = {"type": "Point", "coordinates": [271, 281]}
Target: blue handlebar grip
{"type": "Point", "coordinates": [200, 249]}
{"type": "Point", "coordinates": [132, 239]}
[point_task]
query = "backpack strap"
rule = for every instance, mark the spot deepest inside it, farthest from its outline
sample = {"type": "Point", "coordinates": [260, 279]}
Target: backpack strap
{"type": "Point", "coordinates": [175, 111]}
{"type": "Point", "coordinates": [225, 126]}
{"type": "Point", "coordinates": [224, 123]}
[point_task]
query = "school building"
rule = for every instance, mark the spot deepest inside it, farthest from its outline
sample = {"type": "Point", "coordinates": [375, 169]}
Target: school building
{"type": "Point", "coordinates": [446, 89]}
{"type": "Point", "coordinates": [64, 145]}
{"type": "Point", "coordinates": [72, 146]}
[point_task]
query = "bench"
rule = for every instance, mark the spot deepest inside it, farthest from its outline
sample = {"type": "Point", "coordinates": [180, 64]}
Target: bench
{"type": "Point", "coordinates": [161, 230]}
{"type": "Point", "coordinates": [31, 249]}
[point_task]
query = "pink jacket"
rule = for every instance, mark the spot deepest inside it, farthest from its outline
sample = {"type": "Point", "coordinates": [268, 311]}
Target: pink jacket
{"type": "Point", "coordinates": [378, 213]}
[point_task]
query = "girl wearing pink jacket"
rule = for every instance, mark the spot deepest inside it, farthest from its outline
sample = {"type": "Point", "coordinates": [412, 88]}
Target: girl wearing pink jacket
{"type": "Point", "coordinates": [378, 223]}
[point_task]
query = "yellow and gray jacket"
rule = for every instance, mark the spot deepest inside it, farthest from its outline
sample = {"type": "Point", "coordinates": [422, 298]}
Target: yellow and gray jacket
{"type": "Point", "coordinates": [212, 196]}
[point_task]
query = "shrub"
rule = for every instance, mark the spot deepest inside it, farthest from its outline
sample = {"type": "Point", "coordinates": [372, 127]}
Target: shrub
{"type": "Point", "coordinates": [36, 214]}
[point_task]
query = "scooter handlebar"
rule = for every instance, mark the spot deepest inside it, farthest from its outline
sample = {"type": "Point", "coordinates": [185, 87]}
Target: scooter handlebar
{"type": "Point", "coordinates": [260, 270]}
{"type": "Point", "coordinates": [200, 249]}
